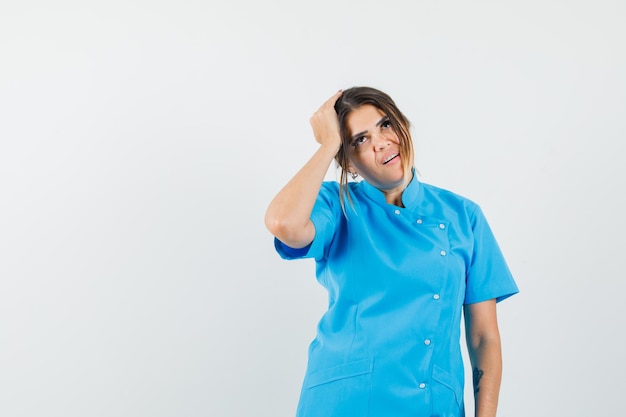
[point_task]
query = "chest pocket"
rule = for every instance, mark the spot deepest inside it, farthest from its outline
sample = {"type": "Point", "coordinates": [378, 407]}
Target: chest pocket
{"type": "Point", "coordinates": [435, 231]}
{"type": "Point", "coordinates": [421, 243]}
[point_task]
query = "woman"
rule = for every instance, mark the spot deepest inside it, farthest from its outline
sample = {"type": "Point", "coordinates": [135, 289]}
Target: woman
{"type": "Point", "coordinates": [400, 260]}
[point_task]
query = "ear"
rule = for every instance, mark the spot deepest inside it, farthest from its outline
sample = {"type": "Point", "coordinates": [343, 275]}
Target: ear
{"type": "Point", "coordinates": [351, 168]}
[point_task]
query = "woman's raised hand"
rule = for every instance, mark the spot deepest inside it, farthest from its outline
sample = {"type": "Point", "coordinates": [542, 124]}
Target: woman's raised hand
{"type": "Point", "coordinates": [325, 123]}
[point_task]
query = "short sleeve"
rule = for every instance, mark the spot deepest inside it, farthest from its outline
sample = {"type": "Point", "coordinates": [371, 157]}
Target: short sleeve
{"type": "Point", "coordinates": [325, 216]}
{"type": "Point", "coordinates": [488, 276]}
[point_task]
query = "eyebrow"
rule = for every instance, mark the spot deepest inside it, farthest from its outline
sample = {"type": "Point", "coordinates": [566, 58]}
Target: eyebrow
{"type": "Point", "coordinates": [380, 122]}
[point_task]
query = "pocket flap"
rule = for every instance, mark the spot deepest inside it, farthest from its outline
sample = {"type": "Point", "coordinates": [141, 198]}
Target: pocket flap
{"type": "Point", "coordinates": [444, 378]}
{"type": "Point", "coordinates": [345, 370]}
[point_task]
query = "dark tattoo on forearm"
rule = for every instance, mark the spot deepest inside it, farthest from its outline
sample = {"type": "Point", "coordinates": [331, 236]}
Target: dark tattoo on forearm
{"type": "Point", "coordinates": [478, 373]}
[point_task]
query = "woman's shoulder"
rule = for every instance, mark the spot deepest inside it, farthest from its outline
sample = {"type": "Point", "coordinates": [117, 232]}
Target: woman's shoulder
{"type": "Point", "coordinates": [448, 197]}
{"type": "Point", "coordinates": [443, 192]}
{"type": "Point", "coordinates": [330, 188]}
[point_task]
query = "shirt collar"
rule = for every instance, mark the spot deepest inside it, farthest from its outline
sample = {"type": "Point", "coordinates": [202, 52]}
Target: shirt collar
{"type": "Point", "coordinates": [411, 196]}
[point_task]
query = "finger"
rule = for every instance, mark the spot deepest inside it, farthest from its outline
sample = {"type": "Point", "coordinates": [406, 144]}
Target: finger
{"type": "Point", "coordinates": [332, 100]}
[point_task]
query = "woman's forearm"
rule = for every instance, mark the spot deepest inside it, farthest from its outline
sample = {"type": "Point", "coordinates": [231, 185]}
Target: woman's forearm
{"type": "Point", "coordinates": [485, 353]}
{"type": "Point", "coordinates": [288, 215]}
{"type": "Point", "coordinates": [486, 375]}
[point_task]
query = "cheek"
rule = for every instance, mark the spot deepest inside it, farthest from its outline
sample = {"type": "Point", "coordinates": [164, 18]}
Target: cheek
{"type": "Point", "coordinates": [393, 137]}
{"type": "Point", "coordinates": [357, 153]}
{"type": "Point", "coordinates": [361, 161]}
{"type": "Point", "coordinates": [355, 159]}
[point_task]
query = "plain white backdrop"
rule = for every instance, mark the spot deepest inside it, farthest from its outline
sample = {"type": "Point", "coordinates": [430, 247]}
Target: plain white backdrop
{"type": "Point", "coordinates": [141, 141]}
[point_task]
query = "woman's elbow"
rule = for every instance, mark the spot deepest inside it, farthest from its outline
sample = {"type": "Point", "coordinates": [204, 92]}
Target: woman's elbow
{"type": "Point", "coordinates": [274, 224]}
{"type": "Point", "coordinates": [291, 234]}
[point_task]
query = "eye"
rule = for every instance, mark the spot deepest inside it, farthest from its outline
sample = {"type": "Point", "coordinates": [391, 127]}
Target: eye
{"type": "Point", "coordinates": [358, 141]}
{"type": "Point", "coordinates": [386, 124]}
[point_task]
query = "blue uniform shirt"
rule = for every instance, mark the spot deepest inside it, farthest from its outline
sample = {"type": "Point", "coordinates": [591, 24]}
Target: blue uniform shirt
{"type": "Point", "coordinates": [397, 279]}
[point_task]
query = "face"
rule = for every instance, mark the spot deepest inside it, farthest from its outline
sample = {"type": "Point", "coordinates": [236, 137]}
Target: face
{"type": "Point", "coordinates": [373, 149]}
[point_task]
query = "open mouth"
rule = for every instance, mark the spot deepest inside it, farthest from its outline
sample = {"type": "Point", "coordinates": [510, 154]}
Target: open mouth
{"type": "Point", "coordinates": [390, 158]}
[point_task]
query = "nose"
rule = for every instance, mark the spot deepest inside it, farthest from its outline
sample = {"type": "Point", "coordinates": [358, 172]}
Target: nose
{"type": "Point", "coordinates": [380, 142]}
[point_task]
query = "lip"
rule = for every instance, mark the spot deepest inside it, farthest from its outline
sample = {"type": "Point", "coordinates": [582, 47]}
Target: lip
{"type": "Point", "coordinates": [390, 157]}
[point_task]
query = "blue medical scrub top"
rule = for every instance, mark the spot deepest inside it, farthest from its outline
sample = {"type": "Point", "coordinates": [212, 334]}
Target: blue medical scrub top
{"type": "Point", "coordinates": [397, 279]}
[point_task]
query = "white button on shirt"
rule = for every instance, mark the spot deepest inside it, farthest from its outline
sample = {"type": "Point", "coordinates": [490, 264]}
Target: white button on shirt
{"type": "Point", "coordinates": [442, 253]}
{"type": "Point", "coordinates": [422, 385]}
{"type": "Point", "coordinates": [442, 226]}
{"type": "Point", "coordinates": [397, 211]}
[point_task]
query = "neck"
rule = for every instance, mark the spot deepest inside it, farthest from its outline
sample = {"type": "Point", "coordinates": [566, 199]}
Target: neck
{"type": "Point", "coordinates": [395, 198]}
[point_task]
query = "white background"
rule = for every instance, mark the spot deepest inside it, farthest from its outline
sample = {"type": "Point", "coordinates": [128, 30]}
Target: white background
{"type": "Point", "coordinates": [142, 141]}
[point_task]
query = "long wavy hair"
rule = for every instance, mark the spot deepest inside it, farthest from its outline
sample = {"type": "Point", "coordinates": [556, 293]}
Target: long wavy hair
{"type": "Point", "coordinates": [352, 99]}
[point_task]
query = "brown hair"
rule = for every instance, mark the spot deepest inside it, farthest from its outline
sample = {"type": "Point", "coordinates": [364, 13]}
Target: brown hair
{"type": "Point", "coordinates": [352, 99]}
